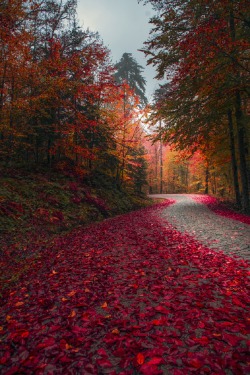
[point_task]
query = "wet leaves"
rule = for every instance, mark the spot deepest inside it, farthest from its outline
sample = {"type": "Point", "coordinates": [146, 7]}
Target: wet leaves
{"type": "Point", "coordinates": [129, 295]}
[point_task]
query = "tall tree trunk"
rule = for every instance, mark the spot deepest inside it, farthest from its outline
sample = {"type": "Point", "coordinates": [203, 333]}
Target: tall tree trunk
{"type": "Point", "coordinates": [49, 151]}
{"type": "Point", "coordinates": [121, 177]}
{"type": "Point", "coordinates": [233, 158]}
{"type": "Point", "coordinates": [161, 164]}
{"type": "Point", "coordinates": [242, 152]}
{"type": "Point", "coordinates": [11, 147]}
{"type": "Point", "coordinates": [240, 122]}
{"type": "Point", "coordinates": [36, 150]}
{"type": "Point", "coordinates": [75, 143]}
{"type": "Point", "coordinates": [123, 153]}
{"type": "Point", "coordinates": [186, 178]}
{"type": "Point", "coordinates": [156, 169]}
{"type": "Point", "coordinates": [206, 177]}
{"type": "Point", "coordinates": [2, 87]}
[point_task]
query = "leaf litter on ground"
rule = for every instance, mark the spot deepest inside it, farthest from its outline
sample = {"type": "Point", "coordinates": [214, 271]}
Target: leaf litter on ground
{"type": "Point", "coordinates": [130, 295]}
{"type": "Point", "coordinates": [213, 204]}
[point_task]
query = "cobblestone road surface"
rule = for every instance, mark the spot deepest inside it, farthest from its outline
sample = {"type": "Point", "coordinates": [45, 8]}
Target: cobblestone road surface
{"type": "Point", "coordinates": [214, 231]}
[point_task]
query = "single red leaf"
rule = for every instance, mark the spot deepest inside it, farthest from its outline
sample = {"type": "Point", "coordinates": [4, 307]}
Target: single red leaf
{"type": "Point", "coordinates": [102, 352]}
{"type": "Point", "coordinates": [195, 362]}
{"type": "Point", "coordinates": [155, 361]}
{"type": "Point", "coordinates": [147, 369]}
{"type": "Point", "coordinates": [105, 363]}
{"type": "Point", "coordinates": [47, 343]}
{"type": "Point", "coordinates": [140, 358]}
{"type": "Point", "coordinates": [202, 340]}
{"type": "Point", "coordinates": [161, 309]}
{"type": "Point", "coordinates": [25, 334]}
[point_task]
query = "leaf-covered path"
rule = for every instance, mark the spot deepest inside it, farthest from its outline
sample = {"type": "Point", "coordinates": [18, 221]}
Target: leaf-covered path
{"type": "Point", "coordinates": [227, 231]}
{"type": "Point", "coordinates": [128, 296]}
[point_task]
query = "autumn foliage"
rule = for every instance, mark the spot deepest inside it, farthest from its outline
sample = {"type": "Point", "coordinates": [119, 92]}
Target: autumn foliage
{"type": "Point", "coordinates": [201, 49]}
{"type": "Point", "coordinates": [59, 102]}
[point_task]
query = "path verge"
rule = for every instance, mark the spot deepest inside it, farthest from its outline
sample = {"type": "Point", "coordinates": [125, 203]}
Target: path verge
{"type": "Point", "coordinates": [214, 205]}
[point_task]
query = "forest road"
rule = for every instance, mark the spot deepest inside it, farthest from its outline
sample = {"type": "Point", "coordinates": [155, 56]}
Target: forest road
{"type": "Point", "coordinates": [212, 230]}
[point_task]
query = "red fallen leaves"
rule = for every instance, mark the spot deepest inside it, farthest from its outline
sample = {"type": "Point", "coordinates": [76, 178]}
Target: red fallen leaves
{"type": "Point", "coordinates": [129, 295]}
{"type": "Point", "coordinates": [159, 322]}
{"type": "Point", "coordinates": [237, 302]}
{"type": "Point", "coordinates": [202, 340]}
{"type": "Point", "coordinates": [219, 209]}
{"type": "Point", "coordinates": [233, 340]}
{"type": "Point", "coordinates": [140, 359]}
{"type": "Point", "coordinates": [161, 309]}
{"type": "Point", "coordinates": [46, 343]}
{"type": "Point", "coordinates": [195, 363]}
{"type": "Point", "coordinates": [104, 363]}
{"type": "Point", "coordinates": [148, 369]}
{"type": "Point", "coordinates": [155, 361]}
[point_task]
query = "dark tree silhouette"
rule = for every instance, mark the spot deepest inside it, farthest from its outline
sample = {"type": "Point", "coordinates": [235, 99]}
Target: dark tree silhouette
{"type": "Point", "coordinates": [128, 70]}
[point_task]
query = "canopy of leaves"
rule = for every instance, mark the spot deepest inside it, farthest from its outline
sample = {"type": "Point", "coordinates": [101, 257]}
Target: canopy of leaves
{"type": "Point", "coordinates": [58, 97]}
{"type": "Point", "coordinates": [202, 50]}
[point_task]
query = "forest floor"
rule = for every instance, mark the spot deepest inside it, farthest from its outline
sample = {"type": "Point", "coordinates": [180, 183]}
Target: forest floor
{"type": "Point", "coordinates": [134, 294]}
{"type": "Point", "coordinates": [38, 206]}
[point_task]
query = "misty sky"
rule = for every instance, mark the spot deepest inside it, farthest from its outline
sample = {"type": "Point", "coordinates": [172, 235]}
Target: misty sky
{"type": "Point", "coordinates": [123, 26]}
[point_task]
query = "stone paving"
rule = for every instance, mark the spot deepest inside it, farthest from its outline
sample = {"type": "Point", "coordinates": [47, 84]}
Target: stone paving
{"type": "Point", "coordinates": [210, 229]}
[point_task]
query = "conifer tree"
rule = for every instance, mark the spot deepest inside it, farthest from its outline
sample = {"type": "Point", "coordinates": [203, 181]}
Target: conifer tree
{"type": "Point", "coordinates": [129, 71]}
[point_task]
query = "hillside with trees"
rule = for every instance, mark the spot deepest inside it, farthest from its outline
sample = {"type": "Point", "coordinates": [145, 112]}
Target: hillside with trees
{"type": "Point", "coordinates": [70, 131]}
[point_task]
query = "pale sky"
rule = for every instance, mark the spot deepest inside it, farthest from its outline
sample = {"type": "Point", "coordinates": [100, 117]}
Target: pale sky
{"type": "Point", "coordinates": [123, 26]}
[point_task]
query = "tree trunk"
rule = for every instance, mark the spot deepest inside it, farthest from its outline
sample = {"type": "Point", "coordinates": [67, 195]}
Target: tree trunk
{"type": "Point", "coordinates": [121, 176]}
{"type": "Point", "coordinates": [48, 152]}
{"type": "Point", "coordinates": [156, 169]}
{"type": "Point", "coordinates": [233, 158]}
{"type": "Point", "coordinates": [240, 122]}
{"type": "Point", "coordinates": [242, 152]}
{"type": "Point", "coordinates": [161, 164]}
{"type": "Point", "coordinates": [186, 178]}
{"type": "Point", "coordinates": [36, 150]}
{"type": "Point", "coordinates": [206, 178]}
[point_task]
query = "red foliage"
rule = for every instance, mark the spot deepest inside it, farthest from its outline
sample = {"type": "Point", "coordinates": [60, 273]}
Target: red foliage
{"type": "Point", "coordinates": [219, 209]}
{"type": "Point", "coordinates": [129, 295]}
